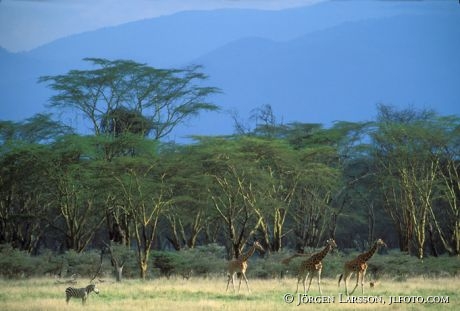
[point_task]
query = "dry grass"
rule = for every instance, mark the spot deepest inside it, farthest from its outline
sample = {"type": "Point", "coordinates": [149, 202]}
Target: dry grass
{"type": "Point", "coordinates": [209, 294]}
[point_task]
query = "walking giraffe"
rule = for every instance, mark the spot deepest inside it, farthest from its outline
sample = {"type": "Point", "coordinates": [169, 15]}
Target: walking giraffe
{"type": "Point", "coordinates": [240, 265]}
{"type": "Point", "coordinates": [313, 264]}
{"type": "Point", "coordinates": [359, 266]}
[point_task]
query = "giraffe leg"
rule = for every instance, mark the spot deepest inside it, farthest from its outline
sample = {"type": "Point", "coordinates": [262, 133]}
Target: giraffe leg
{"type": "Point", "coordinates": [362, 282]}
{"type": "Point", "coordinates": [233, 281]}
{"type": "Point", "coordinates": [228, 281]}
{"type": "Point", "coordinates": [305, 282]}
{"type": "Point", "coordinates": [346, 279]}
{"type": "Point", "coordinates": [357, 282]}
{"type": "Point", "coordinates": [241, 278]}
{"type": "Point", "coordinates": [246, 280]}
{"type": "Point", "coordinates": [310, 278]}
{"type": "Point", "coordinates": [319, 282]}
{"type": "Point", "coordinates": [299, 277]}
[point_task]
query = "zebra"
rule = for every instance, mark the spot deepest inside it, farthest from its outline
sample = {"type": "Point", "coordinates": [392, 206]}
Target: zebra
{"type": "Point", "coordinates": [80, 292]}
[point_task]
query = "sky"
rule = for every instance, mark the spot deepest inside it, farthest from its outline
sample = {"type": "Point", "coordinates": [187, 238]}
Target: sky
{"type": "Point", "coordinates": [27, 24]}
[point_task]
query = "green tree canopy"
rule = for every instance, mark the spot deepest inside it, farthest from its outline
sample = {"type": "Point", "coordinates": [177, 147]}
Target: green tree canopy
{"type": "Point", "coordinates": [124, 95]}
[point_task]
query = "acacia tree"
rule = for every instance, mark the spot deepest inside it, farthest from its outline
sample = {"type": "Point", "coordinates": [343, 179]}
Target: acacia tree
{"type": "Point", "coordinates": [235, 201]}
{"type": "Point", "coordinates": [144, 194]}
{"type": "Point", "coordinates": [278, 172]}
{"type": "Point", "coordinates": [408, 148]}
{"type": "Point", "coordinates": [320, 194]}
{"type": "Point", "coordinates": [451, 190]}
{"type": "Point", "coordinates": [75, 195]}
{"type": "Point", "coordinates": [164, 97]}
{"type": "Point", "coordinates": [25, 188]}
{"type": "Point", "coordinates": [235, 192]}
{"type": "Point", "coordinates": [445, 214]}
{"type": "Point", "coordinates": [187, 218]}
{"type": "Point", "coordinates": [24, 195]}
{"type": "Point", "coordinates": [312, 210]}
{"type": "Point", "coordinates": [416, 172]}
{"type": "Point", "coordinates": [36, 129]}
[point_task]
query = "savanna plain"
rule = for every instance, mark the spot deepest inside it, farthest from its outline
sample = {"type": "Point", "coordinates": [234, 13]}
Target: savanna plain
{"type": "Point", "coordinates": [210, 294]}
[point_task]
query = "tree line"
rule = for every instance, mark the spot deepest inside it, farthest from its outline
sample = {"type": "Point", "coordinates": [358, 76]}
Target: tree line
{"type": "Point", "coordinates": [287, 185]}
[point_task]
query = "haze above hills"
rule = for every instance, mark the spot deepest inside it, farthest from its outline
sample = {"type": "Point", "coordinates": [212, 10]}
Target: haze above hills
{"type": "Point", "coordinates": [331, 61]}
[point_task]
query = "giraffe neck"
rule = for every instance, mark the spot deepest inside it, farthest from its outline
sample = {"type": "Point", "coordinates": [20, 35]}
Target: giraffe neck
{"type": "Point", "coordinates": [319, 256]}
{"type": "Point", "coordinates": [250, 252]}
{"type": "Point", "coordinates": [370, 253]}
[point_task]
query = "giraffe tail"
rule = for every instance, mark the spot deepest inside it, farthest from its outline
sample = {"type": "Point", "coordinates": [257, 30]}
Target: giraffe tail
{"type": "Point", "coordinates": [340, 278]}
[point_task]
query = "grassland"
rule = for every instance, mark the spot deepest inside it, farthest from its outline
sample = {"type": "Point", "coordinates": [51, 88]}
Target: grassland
{"type": "Point", "coordinates": [209, 294]}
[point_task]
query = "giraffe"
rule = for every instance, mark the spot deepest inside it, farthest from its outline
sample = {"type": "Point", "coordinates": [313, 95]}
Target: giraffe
{"type": "Point", "coordinates": [359, 266]}
{"type": "Point", "coordinates": [312, 264]}
{"type": "Point", "coordinates": [240, 265]}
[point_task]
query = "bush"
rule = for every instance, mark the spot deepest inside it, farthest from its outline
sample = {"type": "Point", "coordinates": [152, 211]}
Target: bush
{"type": "Point", "coordinates": [209, 260]}
{"type": "Point", "coordinates": [16, 263]}
{"type": "Point", "coordinates": [199, 261]}
{"type": "Point", "coordinates": [166, 262]}
{"type": "Point", "coordinates": [126, 256]}
{"type": "Point", "coordinates": [270, 267]}
{"type": "Point", "coordinates": [82, 264]}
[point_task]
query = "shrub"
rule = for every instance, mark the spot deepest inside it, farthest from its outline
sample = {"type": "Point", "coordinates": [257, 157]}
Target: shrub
{"type": "Point", "coordinates": [199, 261]}
{"type": "Point", "coordinates": [209, 260]}
{"type": "Point", "coordinates": [270, 267]}
{"type": "Point", "coordinates": [82, 264]}
{"type": "Point", "coordinates": [16, 263]}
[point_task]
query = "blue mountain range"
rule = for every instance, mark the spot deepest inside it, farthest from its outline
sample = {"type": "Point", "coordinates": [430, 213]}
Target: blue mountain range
{"type": "Point", "coordinates": [317, 64]}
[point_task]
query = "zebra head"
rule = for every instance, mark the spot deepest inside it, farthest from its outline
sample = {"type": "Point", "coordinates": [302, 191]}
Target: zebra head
{"type": "Point", "coordinates": [92, 288]}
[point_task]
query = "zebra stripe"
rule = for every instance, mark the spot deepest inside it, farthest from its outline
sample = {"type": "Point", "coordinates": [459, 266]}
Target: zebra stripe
{"type": "Point", "coordinates": [80, 292]}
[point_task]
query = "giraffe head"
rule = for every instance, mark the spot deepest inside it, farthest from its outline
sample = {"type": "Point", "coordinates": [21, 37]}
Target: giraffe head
{"type": "Point", "coordinates": [258, 246]}
{"type": "Point", "coordinates": [380, 242]}
{"type": "Point", "coordinates": [331, 243]}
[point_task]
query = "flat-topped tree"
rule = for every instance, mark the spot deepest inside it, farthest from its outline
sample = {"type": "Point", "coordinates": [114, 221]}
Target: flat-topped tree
{"type": "Point", "coordinates": [120, 91]}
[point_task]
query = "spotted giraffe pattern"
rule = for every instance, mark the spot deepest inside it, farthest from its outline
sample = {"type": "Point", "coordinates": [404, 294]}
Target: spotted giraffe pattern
{"type": "Point", "coordinates": [359, 266]}
{"type": "Point", "coordinates": [240, 266]}
{"type": "Point", "coordinates": [312, 265]}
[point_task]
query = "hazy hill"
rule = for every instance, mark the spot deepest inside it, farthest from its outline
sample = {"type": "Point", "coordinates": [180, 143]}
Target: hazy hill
{"type": "Point", "coordinates": [343, 72]}
{"type": "Point", "coordinates": [331, 61]}
{"type": "Point", "coordinates": [176, 39]}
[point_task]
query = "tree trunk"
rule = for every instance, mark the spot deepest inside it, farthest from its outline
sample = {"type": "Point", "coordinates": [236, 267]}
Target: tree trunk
{"type": "Point", "coordinates": [143, 268]}
{"type": "Point", "coordinates": [457, 237]}
{"type": "Point", "coordinates": [118, 273]}
{"type": "Point", "coordinates": [278, 229]}
{"type": "Point", "coordinates": [434, 252]}
{"type": "Point", "coordinates": [371, 223]}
